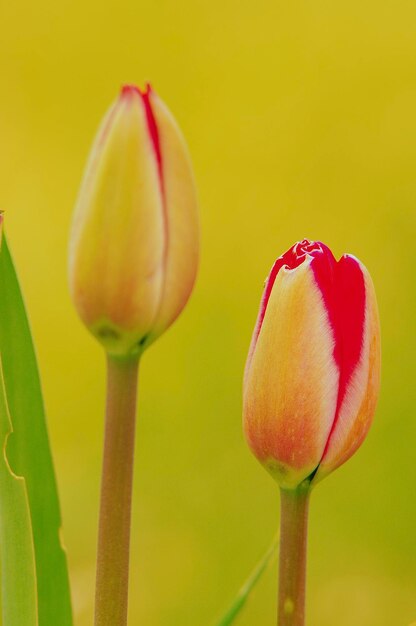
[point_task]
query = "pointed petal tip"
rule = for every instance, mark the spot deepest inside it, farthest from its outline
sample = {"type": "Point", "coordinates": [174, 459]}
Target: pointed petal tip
{"type": "Point", "coordinates": [129, 90]}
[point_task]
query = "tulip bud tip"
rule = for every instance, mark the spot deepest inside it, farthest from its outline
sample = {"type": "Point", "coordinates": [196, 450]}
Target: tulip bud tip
{"type": "Point", "coordinates": [129, 89]}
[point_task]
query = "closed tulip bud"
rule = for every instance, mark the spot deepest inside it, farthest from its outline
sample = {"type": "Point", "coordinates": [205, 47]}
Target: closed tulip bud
{"type": "Point", "coordinates": [312, 375]}
{"type": "Point", "coordinates": [134, 241]}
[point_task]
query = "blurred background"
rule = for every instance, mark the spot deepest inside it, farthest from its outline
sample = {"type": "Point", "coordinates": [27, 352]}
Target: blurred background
{"type": "Point", "coordinates": [301, 121]}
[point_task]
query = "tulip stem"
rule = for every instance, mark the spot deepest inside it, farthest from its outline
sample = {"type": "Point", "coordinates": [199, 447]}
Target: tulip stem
{"type": "Point", "coordinates": [292, 559]}
{"type": "Point", "coordinates": [111, 595]}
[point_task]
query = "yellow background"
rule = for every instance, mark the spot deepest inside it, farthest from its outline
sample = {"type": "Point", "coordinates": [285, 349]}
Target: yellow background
{"type": "Point", "coordinates": [301, 120]}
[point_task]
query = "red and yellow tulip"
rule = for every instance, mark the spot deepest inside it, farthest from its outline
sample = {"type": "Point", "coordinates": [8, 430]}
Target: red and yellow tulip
{"type": "Point", "coordinates": [135, 235]}
{"type": "Point", "coordinates": [313, 370]}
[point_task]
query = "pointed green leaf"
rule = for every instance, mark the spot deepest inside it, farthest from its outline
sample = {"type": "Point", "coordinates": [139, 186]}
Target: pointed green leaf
{"type": "Point", "coordinates": [28, 449]}
{"type": "Point", "coordinates": [243, 595]}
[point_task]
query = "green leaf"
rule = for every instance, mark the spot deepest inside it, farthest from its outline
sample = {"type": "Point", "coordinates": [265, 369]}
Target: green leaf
{"type": "Point", "coordinates": [29, 454]}
{"type": "Point", "coordinates": [243, 595]}
{"type": "Point", "coordinates": [19, 600]}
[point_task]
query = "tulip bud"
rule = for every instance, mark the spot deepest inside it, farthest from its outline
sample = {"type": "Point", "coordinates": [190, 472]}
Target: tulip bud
{"type": "Point", "coordinates": [134, 242]}
{"type": "Point", "coordinates": [313, 370]}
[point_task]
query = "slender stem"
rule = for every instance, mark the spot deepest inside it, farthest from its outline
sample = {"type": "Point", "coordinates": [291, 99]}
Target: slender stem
{"type": "Point", "coordinates": [292, 560]}
{"type": "Point", "coordinates": [244, 593]}
{"type": "Point", "coordinates": [111, 594]}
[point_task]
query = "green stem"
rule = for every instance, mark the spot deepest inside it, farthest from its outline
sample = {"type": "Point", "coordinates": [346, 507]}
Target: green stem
{"type": "Point", "coordinates": [243, 595]}
{"type": "Point", "coordinates": [292, 560]}
{"type": "Point", "coordinates": [111, 595]}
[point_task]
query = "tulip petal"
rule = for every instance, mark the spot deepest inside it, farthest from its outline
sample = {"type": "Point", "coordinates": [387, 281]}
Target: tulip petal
{"type": "Point", "coordinates": [182, 225]}
{"type": "Point", "coordinates": [321, 259]}
{"type": "Point", "coordinates": [344, 297]}
{"type": "Point", "coordinates": [359, 355]}
{"type": "Point", "coordinates": [292, 380]}
{"type": "Point", "coordinates": [279, 263]}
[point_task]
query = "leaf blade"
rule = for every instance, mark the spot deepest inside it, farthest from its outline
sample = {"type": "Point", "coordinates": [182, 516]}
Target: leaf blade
{"type": "Point", "coordinates": [28, 451]}
{"type": "Point", "coordinates": [19, 595]}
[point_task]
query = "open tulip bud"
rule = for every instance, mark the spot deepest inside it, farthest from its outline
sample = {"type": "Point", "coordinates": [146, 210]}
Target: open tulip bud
{"type": "Point", "coordinates": [312, 374]}
{"type": "Point", "coordinates": [134, 242]}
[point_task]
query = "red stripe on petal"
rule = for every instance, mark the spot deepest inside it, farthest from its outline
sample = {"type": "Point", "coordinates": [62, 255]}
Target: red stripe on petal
{"type": "Point", "coordinates": [270, 280]}
{"type": "Point", "coordinates": [343, 290]}
{"type": "Point", "coordinates": [324, 268]}
{"type": "Point", "coordinates": [267, 292]}
{"type": "Point", "coordinates": [350, 314]}
{"type": "Point", "coordinates": [132, 91]}
{"type": "Point", "coordinates": [153, 130]}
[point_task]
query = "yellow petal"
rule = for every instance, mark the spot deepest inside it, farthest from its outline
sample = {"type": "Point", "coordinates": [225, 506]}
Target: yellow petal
{"type": "Point", "coordinates": [181, 211]}
{"type": "Point", "coordinates": [291, 383]}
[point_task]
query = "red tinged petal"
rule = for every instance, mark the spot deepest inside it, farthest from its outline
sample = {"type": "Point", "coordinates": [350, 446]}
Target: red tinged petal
{"type": "Point", "coordinates": [349, 325]}
{"type": "Point", "coordinates": [181, 219]}
{"type": "Point", "coordinates": [350, 314]}
{"type": "Point", "coordinates": [153, 130]}
{"type": "Point", "coordinates": [291, 259]}
{"type": "Point", "coordinates": [291, 384]}
{"type": "Point", "coordinates": [131, 91]}
{"type": "Point", "coordinates": [343, 291]}
{"type": "Point", "coordinates": [360, 381]}
{"type": "Point", "coordinates": [263, 306]}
